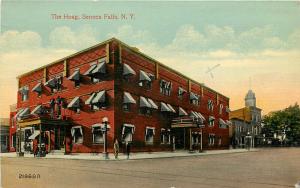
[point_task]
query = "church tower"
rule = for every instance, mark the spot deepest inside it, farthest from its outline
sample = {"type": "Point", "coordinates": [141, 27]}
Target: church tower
{"type": "Point", "coordinates": [250, 100]}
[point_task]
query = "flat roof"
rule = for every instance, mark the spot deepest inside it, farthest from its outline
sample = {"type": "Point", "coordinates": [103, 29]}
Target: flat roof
{"type": "Point", "coordinates": [130, 48]}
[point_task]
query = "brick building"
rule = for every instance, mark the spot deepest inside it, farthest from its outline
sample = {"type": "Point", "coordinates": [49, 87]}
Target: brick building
{"type": "Point", "coordinates": [146, 103]}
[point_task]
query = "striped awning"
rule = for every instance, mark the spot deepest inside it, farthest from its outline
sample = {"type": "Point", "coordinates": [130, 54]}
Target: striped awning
{"type": "Point", "coordinates": [128, 99]}
{"type": "Point", "coordinates": [127, 70]}
{"type": "Point", "coordinates": [37, 110]}
{"type": "Point", "coordinates": [25, 112]}
{"type": "Point", "coordinates": [75, 76]}
{"type": "Point", "coordinates": [75, 103]}
{"type": "Point", "coordinates": [37, 88]}
{"type": "Point", "coordinates": [164, 107]}
{"type": "Point", "coordinates": [193, 96]}
{"type": "Point", "coordinates": [89, 100]}
{"type": "Point", "coordinates": [152, 103]}
{"type": "Point", "coordinates": [211, 118]}
{"type": "Point", "coordinates": [51, 83]}
{"type": "Point", "coordinates": [92, 67]}
{"type": "Point", "coordinates": [99, 98]}
{"type": "Point", "coordinates": [171, 108]}
{"type": "Point", "coordinates": [144, 76]}
{"type": "Point", "coordinates": [100, 68]}
{"type": "Point", "coordinates": [182, 112]}
{"type": "Point", "coordinates": [34, 135]}
{"type": "Point", "coordinates": [144, 102]}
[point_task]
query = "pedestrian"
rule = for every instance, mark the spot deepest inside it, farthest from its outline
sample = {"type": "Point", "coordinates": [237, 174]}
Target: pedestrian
{"type": "Point", "coordinates": [128, 145]}
{"type": "Point", "coordinates": [35, 147]}
{"type": "Point", "coordinates": [116, 148]}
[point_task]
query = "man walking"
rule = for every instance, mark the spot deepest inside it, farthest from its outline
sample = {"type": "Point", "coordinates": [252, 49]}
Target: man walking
{"type": "Point", "coordinates": [116, 148]}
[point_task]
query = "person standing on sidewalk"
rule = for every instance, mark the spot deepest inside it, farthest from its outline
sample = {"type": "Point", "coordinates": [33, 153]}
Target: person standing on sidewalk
{"type": "Point", "coordinates": [116, 148]}
{"type": "Point", "coordinates": [128, 149]}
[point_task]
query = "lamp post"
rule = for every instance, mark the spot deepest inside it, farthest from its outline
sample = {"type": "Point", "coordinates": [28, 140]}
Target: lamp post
{"type": "Point", "coordinates": [104, 130]}
{"type": "Point", "coordinates": [249, 140]}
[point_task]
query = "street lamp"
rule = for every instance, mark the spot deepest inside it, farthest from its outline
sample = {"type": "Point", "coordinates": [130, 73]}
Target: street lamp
{"type": "Point", "coordinates": [248, 137]}
{"type": "Point", "coordinates": [104, 130]}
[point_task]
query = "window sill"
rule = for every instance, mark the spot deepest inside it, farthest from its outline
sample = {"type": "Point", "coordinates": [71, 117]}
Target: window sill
{"type": "Point", "coordinates": [149, 143]}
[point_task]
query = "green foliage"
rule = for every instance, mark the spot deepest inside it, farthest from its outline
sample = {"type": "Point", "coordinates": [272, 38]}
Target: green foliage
{"type": "Point", "coordinates": [287, 120]}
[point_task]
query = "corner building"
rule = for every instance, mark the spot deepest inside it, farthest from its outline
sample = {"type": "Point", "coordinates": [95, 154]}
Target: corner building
{"type": "Point", "coordinates": [156, 108]}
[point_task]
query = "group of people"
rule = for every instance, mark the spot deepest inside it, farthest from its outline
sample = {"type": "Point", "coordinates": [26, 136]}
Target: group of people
{"type": "Point", "coordinates": [117, 148]}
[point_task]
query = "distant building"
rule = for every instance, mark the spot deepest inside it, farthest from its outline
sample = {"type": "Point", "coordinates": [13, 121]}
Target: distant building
{"type": "Point", "coordinates": [4, 134]}
{"type": "Point", "coordinates": [247, 122]}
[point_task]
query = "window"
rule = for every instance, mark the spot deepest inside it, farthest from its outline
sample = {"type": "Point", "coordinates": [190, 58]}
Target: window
{"type": "Point", "coordinates": [59, 81]}
{"type": "Point", "coordinates": [77, 134]}
{"type": "Point", "coordinates": [210, 105]}
{"type": "Point", "coordinates": [149, 135]}
{"type": "Point", "coordinates": [128, 72]}
{"type": "Point", "coordinates": [75, 77]}
{"type": "Point", "coordinates": [211, 121]}
{"type": "Point", "coordinates": [97, 135]}
{"type": "Point", "coordinates": [220, 141]}
{"type": "Point", "coordinates": [165, 136]}
{"type": "Point", "coordinates": [195, 139]}
{"type": "Point", "coordinates": [181, 92]}
{"type": "Point", "coordinates": [221, 109]}
{"type": "Point", "coordinates": [211, 139]}
{"type": "Point", "coordinates": [194, 99]}
{"type": "Point", "coordinates": [75, 105]}
{"type": "Point", "coordinates": [145, 111]}
{"type": "Point", "coordinates": [38, 88]}
{"type": "Point", "coordinates": [24, 93]}
{"type": "Point", "coordinates": [97, 100]}
{"type": "Point", "coordinates": [145, 80]}
{"type": "Point", "coordinates": [165, 87]}
{"type": "Point", "coordinates": [128, 100]}
{"type": "Point", "coordinates": [127, 132]}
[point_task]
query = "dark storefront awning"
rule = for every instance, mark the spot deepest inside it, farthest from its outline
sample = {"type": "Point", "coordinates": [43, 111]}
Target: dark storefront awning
{"type": "Point", "coordinates": [101, 68]}
{"type": "Point", "coordinates": [144, 76]}
{"type": "Point", "coordinates": [89, 71]}
{"type": "Point", "coordinates": [99, 98]}
{"type": "Point", "coordinates": [51, 83]}
{"type": "Point", "coordinates": [152, 103]}
{"type": "Point", "coordinates": [182, 112]}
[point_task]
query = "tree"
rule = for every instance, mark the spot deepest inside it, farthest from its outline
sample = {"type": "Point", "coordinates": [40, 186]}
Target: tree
{"type": "Point", "coordinates": [284, 121]}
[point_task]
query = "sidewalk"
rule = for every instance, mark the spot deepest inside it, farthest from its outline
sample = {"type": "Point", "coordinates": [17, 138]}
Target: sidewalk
{"type": "Point", "coordinates": [133, 156]}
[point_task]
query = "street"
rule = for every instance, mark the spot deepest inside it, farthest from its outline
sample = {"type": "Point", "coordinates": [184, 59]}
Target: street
{"type": "Point", "coordinates": [278, 167]}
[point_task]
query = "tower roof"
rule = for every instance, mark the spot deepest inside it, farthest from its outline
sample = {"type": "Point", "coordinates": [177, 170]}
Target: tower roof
{"type": "Point", "coordinates": [250, 95]}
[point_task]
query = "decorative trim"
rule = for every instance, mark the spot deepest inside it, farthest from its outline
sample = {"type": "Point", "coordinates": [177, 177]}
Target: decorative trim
{"type": "Point", "coordinates": [45, 75]}
{"type": "Point", "coordinates": [65, 73]}
{"type": "Point", "coordinates": [156, 70]}
{"type": "Point", "coordinates": [189, 85]}
{"type": "Point", "coordinates": [107, 53]}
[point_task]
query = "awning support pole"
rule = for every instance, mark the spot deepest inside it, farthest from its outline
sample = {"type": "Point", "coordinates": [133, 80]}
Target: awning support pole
{"type": "Point", "coordinates": [191, 147]}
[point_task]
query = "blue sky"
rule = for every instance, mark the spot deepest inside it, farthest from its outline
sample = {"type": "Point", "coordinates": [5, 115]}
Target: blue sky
{"type": "Point", "coordinates": [257, 40]}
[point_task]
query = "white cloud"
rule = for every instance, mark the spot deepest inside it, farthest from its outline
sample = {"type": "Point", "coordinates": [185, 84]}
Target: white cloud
{"type": "Point", "coordinates": [17, 41]}
{"type": "Point", "coordinates": [131, 35]}
{"type": "Point", "coordinates": [65, 37]}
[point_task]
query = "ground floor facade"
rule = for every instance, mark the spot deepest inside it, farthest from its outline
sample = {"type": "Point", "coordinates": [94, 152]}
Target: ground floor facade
{"type": "Point", "coordinates": [68, 137]}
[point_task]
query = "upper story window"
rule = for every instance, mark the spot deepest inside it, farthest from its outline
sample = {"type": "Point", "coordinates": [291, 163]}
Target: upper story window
{"type": "Point", "coordinates": [75, 104]}
{"type": "Point", "coordinates": [181, 92]}
{"type": "Point", "coordinates": [165, 87]}
{"type": "Point", "coordinates": [38, 88]}
{"type": "Point", "coordinates": [221, 109]}
{"type": "Point", "coordinates": [210, 105]}
{"type": "Point", "coordinates": [145, 79]}
{"type": "Point", "coordinates": [211, 121]}
{"type": "Point", "coordinates": [128, 100]}
{"type": "Point", "coordinates": [227, 109]}
{"type": "Point", "coordinates": [97, 70]}
{"type": "Point", "coordinates": [97, 100]}
{"type": "Point", "coordinates": [75, 77]}
{"type": "Point", "coordinates": [194, 98]}
{"type": "Point", "coordinates": [128, 72]}
{"type": "Point", "coordinates": [55, 84]}
{"type": "Point", "coordinates": [24, 93]}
